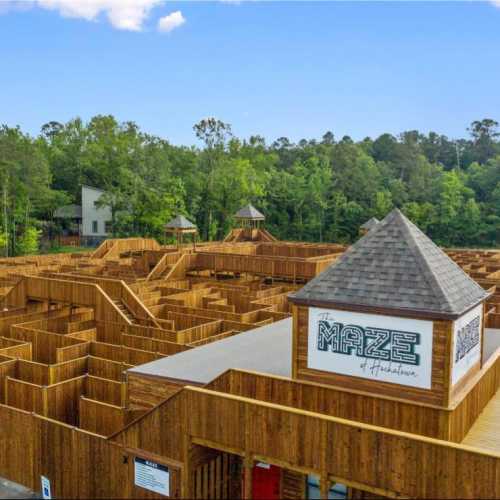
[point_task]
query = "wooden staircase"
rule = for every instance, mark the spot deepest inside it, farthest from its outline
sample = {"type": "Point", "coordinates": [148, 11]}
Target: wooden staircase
{"type": "Point", "coordinates": [124, 310]}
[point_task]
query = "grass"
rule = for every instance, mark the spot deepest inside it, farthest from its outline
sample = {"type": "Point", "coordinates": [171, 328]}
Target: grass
{"type": "Point", "coordinates": [67, 249]}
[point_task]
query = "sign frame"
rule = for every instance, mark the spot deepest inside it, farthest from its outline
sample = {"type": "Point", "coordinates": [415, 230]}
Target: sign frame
{"type": "Point", "coordinates": [151, 476]}
{"type": "Point", "coordinates": [469, 328]}
{"type": "Point", "coordinates": [374, 347]}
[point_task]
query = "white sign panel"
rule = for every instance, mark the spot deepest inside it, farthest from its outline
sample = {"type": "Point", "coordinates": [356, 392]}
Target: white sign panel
{"type": "Point", "coordinates": [375, 347]}
{"type": "Point", "coordinates": [466, 342]}
{"type": "Point", "coordinates": [152, 476]}
{"type": "Point", "coordinates": [46, 494]}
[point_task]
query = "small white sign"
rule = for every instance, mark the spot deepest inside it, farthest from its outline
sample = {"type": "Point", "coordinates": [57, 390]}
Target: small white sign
{"type": "Point", "coordinates": [263, 465]}
{"type": "Point", "coordinates": [466, 343]}
{"type": "Point", "coordinates": [46, 493]}
{"type": "Point", "coordinates": [372, 346]}
{"type": "Point", "coordinates": [152, 476]}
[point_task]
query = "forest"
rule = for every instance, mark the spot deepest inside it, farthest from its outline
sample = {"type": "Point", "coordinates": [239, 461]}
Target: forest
{"type": "Point", "coordinates": [313, 190]}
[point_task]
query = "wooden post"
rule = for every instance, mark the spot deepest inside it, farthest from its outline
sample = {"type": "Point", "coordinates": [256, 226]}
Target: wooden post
{"type": "Point", "coordinates": [186, 474]}
{"type": "Point", "coordinates": [247, 481]}
{"type": "Point", "coordinates": [324, 487]}
{"type": "Point", "coordinates": [45, 401]}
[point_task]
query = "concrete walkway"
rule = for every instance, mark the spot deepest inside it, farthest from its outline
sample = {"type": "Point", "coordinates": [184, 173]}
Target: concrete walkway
{"type": "Point", "coordinates": [8, 489]}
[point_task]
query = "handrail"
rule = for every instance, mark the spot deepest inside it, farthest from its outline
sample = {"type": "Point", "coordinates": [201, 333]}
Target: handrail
{"type": "Point", "coordinates": [135, 305]}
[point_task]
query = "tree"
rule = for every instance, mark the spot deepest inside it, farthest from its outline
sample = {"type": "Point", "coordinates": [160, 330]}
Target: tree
{"type": "Point", "coordinates": [484, 132]}
{"type": "Point", "coordinates": [214, 134]}
{"type": "Point", "coordinates": [28, 242]}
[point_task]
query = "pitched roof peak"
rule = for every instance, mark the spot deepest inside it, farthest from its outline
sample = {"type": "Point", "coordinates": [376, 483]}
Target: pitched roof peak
{"type": "Point", "coordinates": [395, 266]}
{"type": "Point", "coordinates": [180, 222]}
{"type": "Point", "coordinates": [370, 224]}
{"type": "Point", "coordinates": [249, 212]}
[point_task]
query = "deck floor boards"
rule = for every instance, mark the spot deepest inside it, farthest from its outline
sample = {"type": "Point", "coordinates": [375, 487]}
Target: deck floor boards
{"type": "Point", "coordinates": [485, 433]}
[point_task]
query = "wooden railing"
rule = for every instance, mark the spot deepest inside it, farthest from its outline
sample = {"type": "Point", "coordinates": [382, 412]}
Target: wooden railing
{"type": "Point", "coordinates": [474, 398]}
{"type": "Point", "coordinates": [262, 266]}
{"type": "Point", "coordinates": [116, 290]}
{"type": "Point", "coordinates": [169, 259]}
{"type": "Point", "coordinates": [72, 292]}
{"type": "Point", "coordinates": [345, 451]}
{"type": "Point", "coordinates": [442, 423]}
{"type": "Point", "coordinates": [113, 247]}
{"type": "Point", "coordinates": [379, 460]}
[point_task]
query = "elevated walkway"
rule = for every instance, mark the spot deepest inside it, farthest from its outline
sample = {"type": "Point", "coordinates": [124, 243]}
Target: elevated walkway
{"type": "Point", "coordinates": [485, 433]}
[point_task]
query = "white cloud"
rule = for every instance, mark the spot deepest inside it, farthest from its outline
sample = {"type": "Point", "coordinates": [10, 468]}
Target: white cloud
{"type": "Point", "coordinates": [122, 14]}
{"type": "Point", "coordinates": [172, 21]}
{"type": "Point", "coordinates": [496, 3]}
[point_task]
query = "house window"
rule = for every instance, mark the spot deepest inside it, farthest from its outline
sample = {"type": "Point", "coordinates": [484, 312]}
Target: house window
{"type": "Point", "coordinates": [108, 227]}
{"type": "Point", "coordinates": [95, 227]}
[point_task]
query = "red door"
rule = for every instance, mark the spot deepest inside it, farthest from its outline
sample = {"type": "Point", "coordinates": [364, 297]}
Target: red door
{"type": "Point", "coordinates": [266, 482]}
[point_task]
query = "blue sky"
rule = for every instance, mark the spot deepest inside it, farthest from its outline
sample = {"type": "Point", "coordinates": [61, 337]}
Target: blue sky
{"type": "Point", "coordinates": [271, 68]}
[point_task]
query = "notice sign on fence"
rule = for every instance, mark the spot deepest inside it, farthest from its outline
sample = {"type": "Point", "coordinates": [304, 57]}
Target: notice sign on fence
{"type": "Point", "coordinates": [46, 494]}
{"type": "Point", "coordinates": [152, 476]}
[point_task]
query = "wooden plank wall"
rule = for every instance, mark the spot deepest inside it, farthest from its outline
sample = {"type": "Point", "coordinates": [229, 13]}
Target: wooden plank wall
{"type": "Point", "coordinates": [395, 462]}
{"type": "Point", "coordinates": [45, 344]}
{"type": "Point", "coordinates": [25, 396]}
{"type": "Point", "coordinates": [149, 391]}
{"type": "Point", "coordinates": [361, 407]}
{"type": "Point", "coordinates": [105, 368]}
{"type": "Point", "coordinates": [104, 390]}
{"type": "Point", "coordinates": [7, 369]}
{"type": "Point", "coordinates": [122, 354]}
{"type": "Point", "coordinates": [63, 400]}
{"type": "Point", "coordinates": [358, 455]}
{"type": "Point", "coordinates": [68, 369]}
{"type": "Point", "coordinates": [101, 418]}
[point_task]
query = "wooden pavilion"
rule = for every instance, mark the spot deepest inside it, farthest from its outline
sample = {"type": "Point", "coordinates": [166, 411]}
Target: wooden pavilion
{"type": "Point", "coordinates": [253, 369]}
{"type": "Point", "coordinates": [249, 216]}
{"type": "Point", "coordinates": [180, 226]}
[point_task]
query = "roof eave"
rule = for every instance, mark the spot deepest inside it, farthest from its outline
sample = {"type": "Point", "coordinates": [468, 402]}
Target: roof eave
{"type": "Point", "coordinates": [392, 311]}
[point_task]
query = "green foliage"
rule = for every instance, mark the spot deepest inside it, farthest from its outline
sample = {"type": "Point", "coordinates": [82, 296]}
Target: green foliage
{"type": "Point", "coordinates": [313, 190]}
{"type": "Point", "coordinates": [27, 244]}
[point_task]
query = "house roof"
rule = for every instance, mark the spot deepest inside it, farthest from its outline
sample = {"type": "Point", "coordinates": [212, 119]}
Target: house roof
{"type": "Point", "coordinates": [370, 224]}
{"type": "Point", "coordinates": [68, 212]}
{"type": "Point", "coordinates": [180, 223]}
{"type": "Point", "coordinates": [395, 267]}
{"type": "Point", "coordinates": [249, 212]}
{"type": "Point", "coordinates": [267, 349]}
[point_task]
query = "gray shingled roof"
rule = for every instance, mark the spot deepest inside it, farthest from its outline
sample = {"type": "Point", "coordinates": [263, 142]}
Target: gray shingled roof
{"type": "Point", "coordinates": [249, 212]}
{"type": "Point", "coordinates": [370, 224]}
{"type": "Point", "coordinates": [180, 222]}
{"type": "Point", "coordinates": [68, 212]}
{"type": "Point", "coordinates": [395, 266]}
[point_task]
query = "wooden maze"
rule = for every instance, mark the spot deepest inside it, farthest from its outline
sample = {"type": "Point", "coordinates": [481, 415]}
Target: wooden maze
{"type": "Point", "coordinates": [71, 325]}
{"type": "Point", "coordinates": [484, 267]}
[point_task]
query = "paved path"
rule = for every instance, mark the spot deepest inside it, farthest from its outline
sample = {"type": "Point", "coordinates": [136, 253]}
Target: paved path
{"type": "Point", "coordinates": [8, 489]}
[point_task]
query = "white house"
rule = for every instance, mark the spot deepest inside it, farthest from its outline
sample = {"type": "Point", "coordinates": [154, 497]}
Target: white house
{"type": "Point", "coordinates": [90, 223]}
{"type": "Point", "coordinates": [96, 222]}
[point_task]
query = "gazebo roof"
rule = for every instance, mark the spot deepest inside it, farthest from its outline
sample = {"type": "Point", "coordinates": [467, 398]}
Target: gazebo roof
{"type": "Point", "coordinates": [68, 212]}
{"type": "Point", "coordinates": [249, 212]}
{"type": "Point", "coordinates": [370, 224]}
{"type": "Point", "coordinates": [395, 267]}
{"type": "Point", "coordinates": [180, 224]}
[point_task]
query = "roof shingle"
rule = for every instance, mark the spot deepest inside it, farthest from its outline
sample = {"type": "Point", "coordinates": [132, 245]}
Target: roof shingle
{"type": "Point", "coordinates": [249, 212]}
{"type": "Point", "coordinates": [180, 222]}
{"type": "Point", "coordinates": [370, 224]}
{"type": "Point", "coordinates": [395, 266]}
